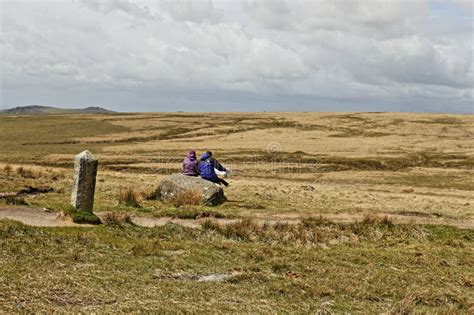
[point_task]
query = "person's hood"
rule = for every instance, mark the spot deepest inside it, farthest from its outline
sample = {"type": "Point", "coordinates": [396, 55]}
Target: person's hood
{"type": "Point", "coordinates": [188, 159]}
{"type": "Point", "coordinates": [192, 155]}
{"type": "Point", "coordinates": [205, 156]}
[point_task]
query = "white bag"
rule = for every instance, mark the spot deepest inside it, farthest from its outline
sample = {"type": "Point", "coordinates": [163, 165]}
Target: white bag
{"type": "Point", "coordinates": [223, 174]}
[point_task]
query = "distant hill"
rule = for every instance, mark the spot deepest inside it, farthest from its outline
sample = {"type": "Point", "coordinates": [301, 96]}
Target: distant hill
{"type": "Point", "coordinates": [44, 110]}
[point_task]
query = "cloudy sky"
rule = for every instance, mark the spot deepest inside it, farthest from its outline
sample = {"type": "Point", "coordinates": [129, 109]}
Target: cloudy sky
{"type": "Point", "coordinates": [231, 55]}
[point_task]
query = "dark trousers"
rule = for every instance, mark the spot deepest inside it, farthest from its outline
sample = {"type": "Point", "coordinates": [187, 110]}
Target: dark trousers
{"type": "Point", "coordinates": [223, 182]}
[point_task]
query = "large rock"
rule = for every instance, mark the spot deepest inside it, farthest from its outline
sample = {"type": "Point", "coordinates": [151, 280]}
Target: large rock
{"type": "Point", "coordinates": [178, 185]}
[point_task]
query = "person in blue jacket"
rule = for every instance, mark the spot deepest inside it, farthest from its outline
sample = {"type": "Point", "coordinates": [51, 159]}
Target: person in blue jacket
{"type": "Point", "coordinates": [206, 169]}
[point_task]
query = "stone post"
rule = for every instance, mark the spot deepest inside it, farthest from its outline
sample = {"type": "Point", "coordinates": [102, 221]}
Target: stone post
{"type": "Point", "coordinates": [85, 171]}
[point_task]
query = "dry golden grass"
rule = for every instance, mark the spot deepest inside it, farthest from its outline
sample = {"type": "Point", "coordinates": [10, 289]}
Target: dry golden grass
{"type": "Point", "coordinates": [115, 218]}
{"type": "Point", "coordinates": [27, 173]}
{"type": "Point", "coordinates": [316, 231]}
{"type": "Point", "coordinates": [7, 169]}
{"type": "Point", "coordinates": [191, 198]}
{"type": "Point", "coordinates": [287, 164]}
{"type": "Point", "coordinates": [129, 197]}
{"type": "Point", "coordinates": [328, 134]}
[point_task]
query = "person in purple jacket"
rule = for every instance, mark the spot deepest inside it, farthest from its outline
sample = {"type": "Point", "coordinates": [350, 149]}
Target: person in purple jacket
{"type": "Point", "coordinates": [190, 164]}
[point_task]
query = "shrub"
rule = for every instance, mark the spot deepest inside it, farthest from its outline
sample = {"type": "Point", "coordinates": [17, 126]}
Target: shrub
{"type": "Point", "coordinates": [192, 198]}
{"type": "Point", "coordinates": [130, 197]}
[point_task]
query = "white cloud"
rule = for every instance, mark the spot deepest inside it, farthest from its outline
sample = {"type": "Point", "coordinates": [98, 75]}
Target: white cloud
{"type": "Point", "coordinates": [359, 52]}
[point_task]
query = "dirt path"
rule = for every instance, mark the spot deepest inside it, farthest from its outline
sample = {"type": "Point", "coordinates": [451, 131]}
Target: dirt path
{"type": "Point", "coordinates": [35, 217]}
{"type": "Point", "coordinates": [40, 217]}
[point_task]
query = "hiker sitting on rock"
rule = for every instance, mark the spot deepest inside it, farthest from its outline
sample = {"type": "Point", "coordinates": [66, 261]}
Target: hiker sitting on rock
{"type": "Point", "coordinates": [207, 169]}
{"type": "Point", "coordinates": [219, 169]}
{"type": "Point", "coordinates": [190, 164]}
{"type": "Point", "coordinates": [218, 166]}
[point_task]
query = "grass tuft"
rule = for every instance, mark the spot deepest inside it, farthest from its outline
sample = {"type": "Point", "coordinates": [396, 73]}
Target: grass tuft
{"type": "Point", "coordinates": [190, 214]}
{"type": "Point", "coordinates": [318, 231]}
{"type": "Point", "coordinates": [26, 172]}
{"type": "Point", "coordinates": [154, 194]}
{"type": "Point", "coordinates": [16, 201]}
{"type": "Point", "coordinates": [191, 198]}
{"type": "Point", "coordinates": [116, 219]}
{"type": "Point", "coordinates": [404, 306]}
{"type": "Point", "coordinates": [129, 197]}
{"type": "Point", "coordinates": [146, 248]}
{"type": "Point", "coordinates": [372, 219]}
{"type": "Point", "coordinates": [7, 169]}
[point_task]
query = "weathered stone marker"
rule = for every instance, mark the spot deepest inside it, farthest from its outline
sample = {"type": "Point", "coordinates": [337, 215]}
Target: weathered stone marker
{"type": "Point", "coordinates": [85, 171]}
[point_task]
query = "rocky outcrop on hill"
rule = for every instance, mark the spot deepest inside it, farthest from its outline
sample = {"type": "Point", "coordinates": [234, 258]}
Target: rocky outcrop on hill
{"type": "Point", "coordinates": [178, 186]}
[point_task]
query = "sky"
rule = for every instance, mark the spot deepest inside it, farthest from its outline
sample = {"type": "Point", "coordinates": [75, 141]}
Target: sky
{"type": "Point", "coordinates": [239, 55]}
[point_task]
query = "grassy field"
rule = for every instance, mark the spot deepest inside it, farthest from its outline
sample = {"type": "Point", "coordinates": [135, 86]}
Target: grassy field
{"type": "Point", "coordinates": [286, 166]}
{"type": "Point", "coordinates": [365, 267]}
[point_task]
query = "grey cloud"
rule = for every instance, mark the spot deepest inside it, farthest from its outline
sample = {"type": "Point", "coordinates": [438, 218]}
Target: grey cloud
{"type": "Point", "coordinates": [200, 55]}
{"type": "Point", "coordinates": [358, 16]}
{"type": "Point", "coordinates": [466, 4]}
{"type": "Point", "coordinates": [125, 6]}
{"type": "Point", "coordinates": [190, 10]}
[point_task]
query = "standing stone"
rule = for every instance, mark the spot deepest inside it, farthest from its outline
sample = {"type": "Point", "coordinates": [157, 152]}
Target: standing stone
{"type": "Point", "coordinates": [85, 171]}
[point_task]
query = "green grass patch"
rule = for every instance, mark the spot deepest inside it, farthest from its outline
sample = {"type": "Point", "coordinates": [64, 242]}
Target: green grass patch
{"type": "Point", "coordinates": [189, 213]}
{"type": "Point", "coordinates": [105, 269]}
{"type": "Point", "coordinates": [82, 217]}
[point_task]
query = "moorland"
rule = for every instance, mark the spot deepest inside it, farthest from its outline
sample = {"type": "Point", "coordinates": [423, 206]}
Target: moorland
{"type": "Point", "coordinates": [336, 212]}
